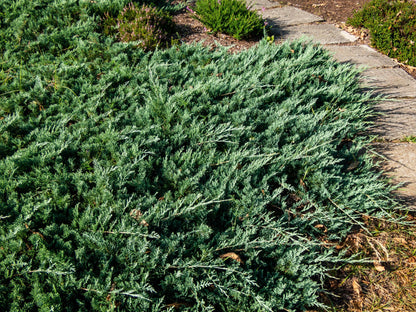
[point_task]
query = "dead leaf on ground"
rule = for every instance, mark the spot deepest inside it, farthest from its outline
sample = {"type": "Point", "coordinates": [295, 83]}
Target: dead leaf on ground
{"type": "Point", "coordinates": [242, 218]}
{"type": "Point", "coordinates": [357, 301]}
{"type": "Point", "coordinates": [303, 185]}
{"type": "Point", "coordinates": [356, 287]}
{"type": "Point", "coordinates": [144, 223]}
{"type": "Point", "coordinates": [400, 240]}
{"type": "Point", "coordinates": [412, 259]}
{"type": "Point", "coordinates": [321, 227]}
{"type": "Point", "coordinates": [231, 255]}
{"type": "Point", "coordinates": [379, 267]}
{"type": "Point", "coordinates": [137, 215]}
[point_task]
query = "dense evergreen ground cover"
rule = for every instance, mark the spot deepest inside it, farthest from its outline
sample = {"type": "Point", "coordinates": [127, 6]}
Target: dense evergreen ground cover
{"type": "Point", "coordinates": [188, 179]}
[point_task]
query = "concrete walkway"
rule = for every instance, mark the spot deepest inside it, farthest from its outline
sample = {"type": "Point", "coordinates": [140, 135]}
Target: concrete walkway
{"type": "Point", "coordinates": [399, 119]}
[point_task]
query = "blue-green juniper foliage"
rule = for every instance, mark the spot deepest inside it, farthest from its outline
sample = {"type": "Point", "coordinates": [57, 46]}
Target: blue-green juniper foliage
{"type": "Point", "coordinates": [188, 179]}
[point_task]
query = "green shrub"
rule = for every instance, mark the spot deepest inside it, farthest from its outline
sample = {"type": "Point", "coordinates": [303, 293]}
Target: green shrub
{"type": "Point", "coordinates": [147, 25]}
{"type": "Point", "coordinates": [192, 178]}
{"type": "Point", "coordinates": [184, 178]}
{"type": "Point", "coordinates": [392, 26]}
{"type": "Point", "coordinates": [232, 17]}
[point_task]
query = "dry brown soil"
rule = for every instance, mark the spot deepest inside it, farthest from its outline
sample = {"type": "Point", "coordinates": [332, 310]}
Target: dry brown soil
{"type": "Point", "coordinates": [335, 11]}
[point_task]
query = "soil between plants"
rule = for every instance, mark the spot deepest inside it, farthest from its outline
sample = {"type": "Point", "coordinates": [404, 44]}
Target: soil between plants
{"type": "Point", "coordinates": [335, 11]}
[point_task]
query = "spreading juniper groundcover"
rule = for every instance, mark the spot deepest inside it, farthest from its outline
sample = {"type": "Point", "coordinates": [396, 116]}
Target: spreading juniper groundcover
{"type": "Point", "coordinates": [183, 179]}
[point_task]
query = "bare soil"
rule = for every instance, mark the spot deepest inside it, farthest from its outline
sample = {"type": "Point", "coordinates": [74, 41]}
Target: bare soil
{"type": "Point", "coordinates": [335, 11]}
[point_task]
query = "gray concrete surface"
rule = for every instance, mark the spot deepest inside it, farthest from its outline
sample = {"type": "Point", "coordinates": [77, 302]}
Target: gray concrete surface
{"type": "Point", "coordinates": [399, 163]}
{"type": "Point", "coordinates": [289, 16]}
{"type": "Point", "coordinates": [317, 33]}
{"type": "Point", "coordinates": [392, 82]}
{"type": "Point", "coordinates": [361, 55]}
{"type": "Point", "coordinates": [260, 4]}
{"type": "Point", "coordinates": [397, 119]}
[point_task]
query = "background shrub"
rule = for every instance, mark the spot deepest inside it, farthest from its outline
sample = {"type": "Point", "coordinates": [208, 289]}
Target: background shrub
{"type": "Point", "coordinates": [148, 26]}
{"type": "Point", "coordinates": [392, 26]}
{"type": "Point", "coordinates": [232, 17]}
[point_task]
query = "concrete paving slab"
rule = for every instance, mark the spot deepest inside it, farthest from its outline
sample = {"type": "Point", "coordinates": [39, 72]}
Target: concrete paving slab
{"type": "Point", "coordinates": [289, 16]}
{"type": "Point", "coordinates": [361, 55]}
{"type": "Point", "coordinates": [398, 120]}
{"type": "Point", "coordinates": [393, 82]}
{"type": "Point", "coordinates": [318, 33]}
{"type": "Point", "coordinates": [399, 163]}
{"type": "Point", "coordinates": [260, 4]}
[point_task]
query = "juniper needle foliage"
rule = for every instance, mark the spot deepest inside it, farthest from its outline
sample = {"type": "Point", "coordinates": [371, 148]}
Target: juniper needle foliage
{"type": "Point", "coordinates": [188, 179]}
